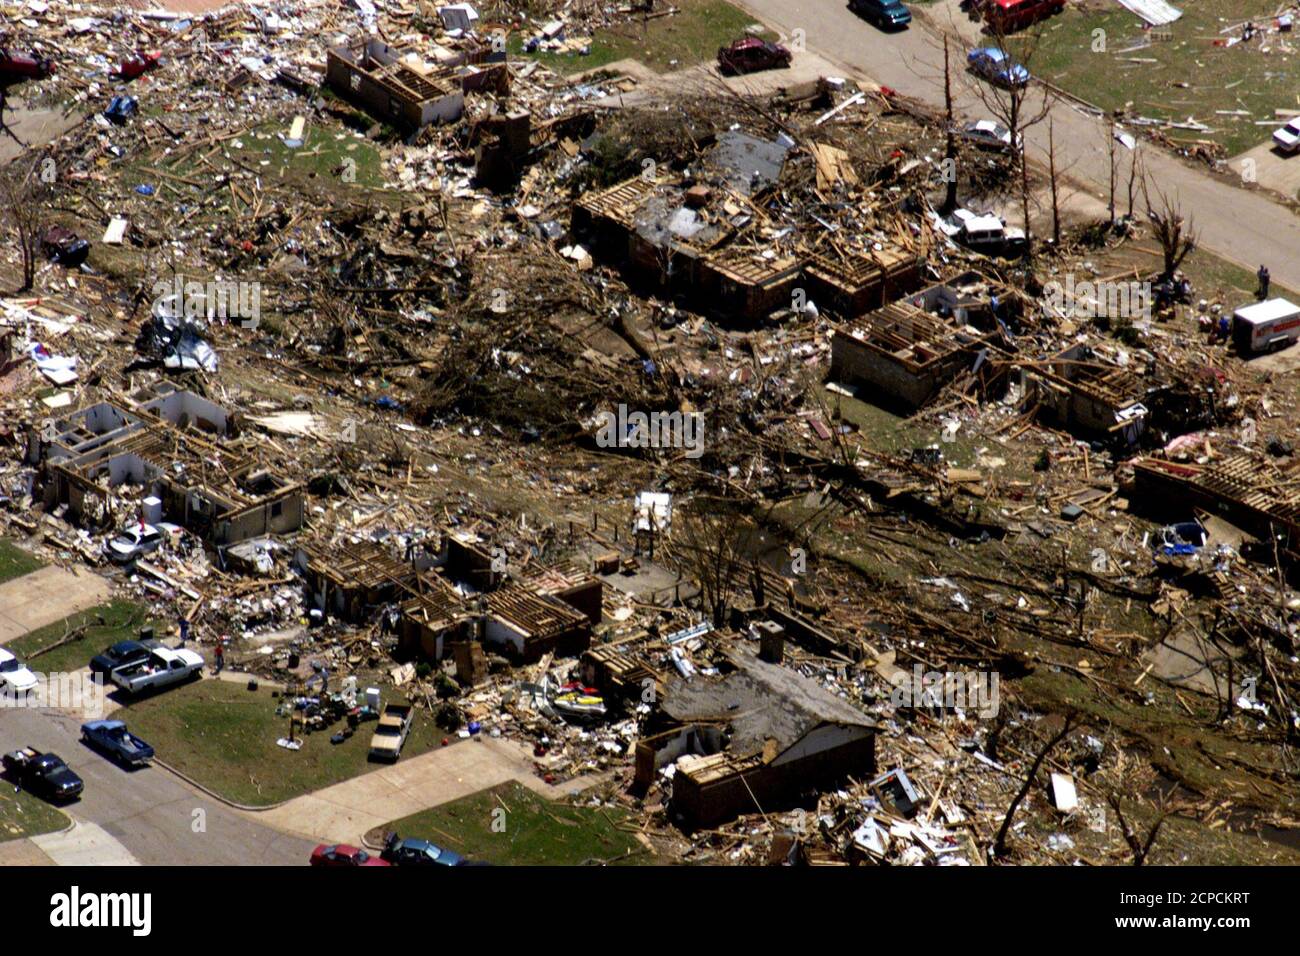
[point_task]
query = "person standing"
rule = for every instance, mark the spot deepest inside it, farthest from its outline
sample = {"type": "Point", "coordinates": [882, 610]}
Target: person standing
{"type": "Point", "coordinates": [220, 655]}
{"type": "Point", "coordinates": [1263, 281]}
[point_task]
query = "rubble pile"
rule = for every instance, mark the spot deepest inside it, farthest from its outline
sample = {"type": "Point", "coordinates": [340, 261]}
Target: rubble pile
{"type": "Point", "coordinates": [691, 443]}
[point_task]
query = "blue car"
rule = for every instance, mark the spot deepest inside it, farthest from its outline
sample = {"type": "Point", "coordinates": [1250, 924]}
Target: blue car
{"type": "Point", "coordinates": [111, 738]}
{"type": "Point", "coordinates": [996, 66]}
{"type": "Point", "coordinates": [414, 852]}
{"type": "Point", "coordinates": [886, 14]}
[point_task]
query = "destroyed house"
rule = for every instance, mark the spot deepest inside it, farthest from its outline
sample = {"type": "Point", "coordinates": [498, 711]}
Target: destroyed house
{"type": "Point", "coordinates": [383, 81]}
{"type": "Point", "coordinates": [1086, 393]}
{"type": "Point", "coordinates": [554, 611]}
{"type": "Point", "coordinates": [618, 675]}
{"type": "Point", "coordinates": [690, 235]}
{"type": "Point", "coordinates": [433, 620]}
{"type": "Point", "coordinates": [1256, 495]}
{"type": "Point", "coordinates": [855, 283]}
{"type": "Point", "coordinates": [526, 625]}
{"type": "Point", "coordinates": [167, 443]}
{"type": "Point", "coordinates": [352, 580]}
{"type": "Point", "coordinates": [909, 350]}
{"type": "Point", "coordinates": [579, 590]}
{"type": "Point", "coordinates": [755, 740]}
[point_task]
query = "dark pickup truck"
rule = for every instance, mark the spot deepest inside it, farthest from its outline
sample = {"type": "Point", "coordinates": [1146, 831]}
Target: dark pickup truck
{"type": "Point", "coordinates": [45, 775]}
{"type": "Point", "coordinates": [111, 738]}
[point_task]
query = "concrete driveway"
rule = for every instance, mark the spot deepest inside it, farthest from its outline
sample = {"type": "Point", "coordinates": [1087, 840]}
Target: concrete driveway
{"type": "Point", "coordinates": [1271, 168]}
{"type": "Point", "coordinates": [47, 595]}
{"type": "Point", "coordinates": [344, 812]}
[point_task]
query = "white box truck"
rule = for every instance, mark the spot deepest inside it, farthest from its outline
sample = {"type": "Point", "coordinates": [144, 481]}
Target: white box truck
{"type": "Point", "coordinates": [1265, 325]}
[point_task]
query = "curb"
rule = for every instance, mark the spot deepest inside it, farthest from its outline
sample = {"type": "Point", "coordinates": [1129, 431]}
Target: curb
{"type": "Point", "coordinates": [214, 795]}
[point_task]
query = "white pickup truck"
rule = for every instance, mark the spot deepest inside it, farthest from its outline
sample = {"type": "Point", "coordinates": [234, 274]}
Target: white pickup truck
{"type": "Point", "coordinates": [394, 725]}
{"type": "Point", "coordinates": [162, 668]}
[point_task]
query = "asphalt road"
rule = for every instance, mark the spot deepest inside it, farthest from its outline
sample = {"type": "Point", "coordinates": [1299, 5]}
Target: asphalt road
{"type": "Point", "coordinates": [149, 814]}
{"type": "Point", "coordinates": [1242, 226]}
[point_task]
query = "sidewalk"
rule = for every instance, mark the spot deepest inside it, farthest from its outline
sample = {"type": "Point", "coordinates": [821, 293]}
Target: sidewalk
{"type": "Point", "coordinates": [345, 811]}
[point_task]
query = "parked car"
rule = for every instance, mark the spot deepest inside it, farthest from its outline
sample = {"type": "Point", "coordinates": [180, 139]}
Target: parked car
{"type": "Point", "coordinates": [412, 851]}
{"type": "Point", "coordinates": [886, 14]}
{"type": "Point", "coordinates": [122, 654]}
{"type": "Point", "coordinates": [997, 66]}
{"type": "Point", "coordinates": [1006, 16]}
{"type": "Point", "coordinates": [45, 775]}
{"type": "Point", "coordinates": [15, 678]}
{"type": "Point", "coordinates": [1287, 138]}
{"type": "Point", "coordinates": [391, 731]}
{"type": "Point", "coordinates": [163, 667]}
{"type": "Point", "coordinates": [751, 55]}
{"type": "Point", "coordinates": [133, 542]}
{"type": "Point", "coordinates": [111, 738]}
{"type": "Point", "coordinates": [988, 135]}
{"type": "Point", "coordinates": [340, 854]}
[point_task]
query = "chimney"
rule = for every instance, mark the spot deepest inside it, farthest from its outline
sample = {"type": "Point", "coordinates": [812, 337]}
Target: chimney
{"type": "Point", "coordinates": [771, 641]}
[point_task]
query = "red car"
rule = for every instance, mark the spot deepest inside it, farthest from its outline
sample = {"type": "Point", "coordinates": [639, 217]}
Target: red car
{"type": "Point", "coordinates": [751, 55]}
{"type": "Point", "coordinates": [340, 854]}
{"type": "Point", "coordinates": [15, 69]}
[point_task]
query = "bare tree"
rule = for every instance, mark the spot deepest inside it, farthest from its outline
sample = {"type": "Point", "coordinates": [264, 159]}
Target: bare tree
{"type": "Point", "coordinates": [1056, 198]}
{"type": "Point", "coordinates": [1000, 844]}
{"type": "Point", "coordinates": [1129, 784]}
{"type": "Point", "coordinates": [950, 149]}
{"type": "Point", "coordinates": [1174, 231]}
{"type": "Point", "coordinates": [21, 199]}
{"type": "Point", "coordinates": [1110, 203]}
{"type": "Point", "coordinates": [714, 544]}
{"type": "Point", "coordinates": [1016, 106]}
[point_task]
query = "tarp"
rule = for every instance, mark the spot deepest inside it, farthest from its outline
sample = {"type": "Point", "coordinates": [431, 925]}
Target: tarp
{"type": "Point", "coordinates": [1158, 13]}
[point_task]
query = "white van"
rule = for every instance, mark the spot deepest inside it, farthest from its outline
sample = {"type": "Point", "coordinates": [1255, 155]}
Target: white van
{"type": "Point", "coordinates": [1265, 325]}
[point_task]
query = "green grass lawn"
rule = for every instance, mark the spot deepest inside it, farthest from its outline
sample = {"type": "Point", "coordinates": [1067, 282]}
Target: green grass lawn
{"type": "Point", "coordinates": [109, 623]}
{"type": "Point", "coordinates": [15, 562]}
{"type": "Point", "coordinates": [529, 830]}
{"type": "Point", "coordinates": [224, 736]}
{"type": "Point", "coordinates": [22, 815]}
{"type": "Point", "coordinates": [1217, 78]}
{"type": "Point", "coordinates": [665, 44]}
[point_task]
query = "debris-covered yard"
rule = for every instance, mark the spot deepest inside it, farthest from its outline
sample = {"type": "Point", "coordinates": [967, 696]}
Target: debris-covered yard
{"type": "Point", "coordinates": [786, 495]}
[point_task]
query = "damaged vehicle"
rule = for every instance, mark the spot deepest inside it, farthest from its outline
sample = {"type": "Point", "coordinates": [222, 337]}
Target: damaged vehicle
{"type": "Point", "coordinates": [177, 342]}
{"type": "Point", "coordinates": [65, 247]}
{"type": "Point", "coordinates": [751, 55]}
{"type": "Point", "coordinates": [988, 234]}
{"type": "Point", "coordinates": [132, 543]}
